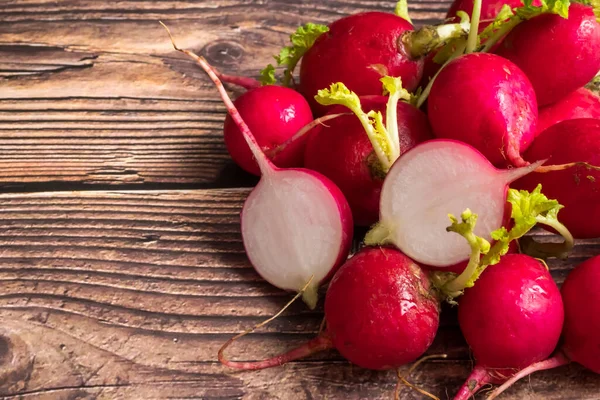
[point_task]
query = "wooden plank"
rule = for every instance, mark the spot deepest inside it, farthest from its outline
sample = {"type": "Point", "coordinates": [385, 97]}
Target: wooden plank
{"type": "Point", "coordinates": [130, 295]}
{"type": "Point", "coordinates": [93, 92]}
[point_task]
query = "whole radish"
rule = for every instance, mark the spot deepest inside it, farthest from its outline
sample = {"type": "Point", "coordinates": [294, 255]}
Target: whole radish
{"type": "Point", "coordinates": [488, 102]}
{"type": "Point", "coordinates": [275, 113]}
{"type": "Point", "coordinates": [342, 151]}
{"type": "Point", "coordinates": [361, 48]}
{"type": "Point", "coordinates": [433, 179]}
{"type": "Point", "coordinates": [511, 318]}
{"type": "Point", "coordinates": [582, 103]}
{"type": "Point", "coordinates": [578, 187]}
{"type": "Point", "coordinates": [581, 342]}
{"type": "Point", "coordinates": [380, 314]}
{"type": "Point", "coordinates": [558, 55]}
{"type": "Point", "coordinates": [296, 224]}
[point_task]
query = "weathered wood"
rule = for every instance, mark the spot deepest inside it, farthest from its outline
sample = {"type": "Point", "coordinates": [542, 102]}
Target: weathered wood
{"type": "Point", "coordinates": [92, 92]}
{"type": "Point", "coordinates": [130, 295]}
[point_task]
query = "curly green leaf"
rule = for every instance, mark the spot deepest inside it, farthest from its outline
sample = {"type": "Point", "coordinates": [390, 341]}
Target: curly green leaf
{"type": "Point", "coordinates": [267, 75]}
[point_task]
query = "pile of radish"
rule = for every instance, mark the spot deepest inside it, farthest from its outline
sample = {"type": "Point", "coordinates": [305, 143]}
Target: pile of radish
{"type": "Point", "coordinates": [450, 143]}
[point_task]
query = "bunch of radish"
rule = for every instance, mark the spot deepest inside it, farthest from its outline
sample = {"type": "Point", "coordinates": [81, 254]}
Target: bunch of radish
{"type": "Point", "coordinates": [450, 142]}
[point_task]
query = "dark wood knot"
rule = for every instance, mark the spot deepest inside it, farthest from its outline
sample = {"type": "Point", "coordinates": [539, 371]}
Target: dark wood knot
{"type": "Point", "coordinates": [16, 362]}
{"type": "Point", "coordinates": [223, 53]}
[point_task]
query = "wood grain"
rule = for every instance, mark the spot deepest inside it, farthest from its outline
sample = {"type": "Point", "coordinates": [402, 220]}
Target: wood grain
{"type": "Point", "coordinates": [130, 295]}
{"type": "Point", "coordinates": [93, 93]}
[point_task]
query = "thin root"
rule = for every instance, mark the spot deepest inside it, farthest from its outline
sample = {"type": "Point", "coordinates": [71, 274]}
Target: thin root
{"type": "Point", "coordinates": [403, 381]}
{"type": "Point", "coordinates": [562, 167]}
{"type": "Point", "coordinates": [228, 343]}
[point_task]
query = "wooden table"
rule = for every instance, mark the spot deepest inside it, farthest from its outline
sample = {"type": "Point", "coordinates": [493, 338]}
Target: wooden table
{"type": "Point", "coordinates": [121, 265]}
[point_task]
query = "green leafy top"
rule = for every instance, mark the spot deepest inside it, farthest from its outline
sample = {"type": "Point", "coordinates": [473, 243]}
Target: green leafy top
{"type": "Point", "coordinates": [507, 19]}
{"type": "Point", "coordinates": [596, 7]}
{"type": "Point", "coordinates": [528, 209]}
{"type": "Point", "coordinates": [384, 138]}
{"type": "Point", "coordinates": [401, 10]}
{"type": "Point", "coordinates": [302, 40]}
{"type": "Point", "coordinates": [267, 75]}
{"type": "Point", "coordinates": [372, 121]}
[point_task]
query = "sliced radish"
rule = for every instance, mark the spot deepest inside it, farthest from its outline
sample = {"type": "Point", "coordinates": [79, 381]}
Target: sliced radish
{"type": "Point", "coordinates": [434, 179]}
{"type": "Point", "coordinates": [296, 224]}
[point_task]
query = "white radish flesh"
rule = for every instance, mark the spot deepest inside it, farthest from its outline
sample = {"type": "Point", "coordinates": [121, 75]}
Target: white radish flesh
{"type": "Point", "coordinates": [296, 224]}
{"type": "Point", "coordinates": [434, 179]}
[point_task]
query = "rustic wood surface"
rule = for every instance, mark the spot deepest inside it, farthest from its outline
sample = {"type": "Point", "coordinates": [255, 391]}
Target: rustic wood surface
{"type": "Point", "coordinates": [116, 280]}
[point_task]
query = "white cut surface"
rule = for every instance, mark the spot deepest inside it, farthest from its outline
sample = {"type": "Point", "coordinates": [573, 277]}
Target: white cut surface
{"type": "Point", "coordinates": [292, 229]}
{"type": "Point", "coordinates": [431, 181]}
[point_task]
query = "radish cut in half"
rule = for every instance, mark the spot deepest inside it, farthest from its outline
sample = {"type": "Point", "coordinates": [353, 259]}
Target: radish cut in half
{"type": "Point", "coordinates": [296, 224]}
{"type": "Point", "coordinates": [434, 179]}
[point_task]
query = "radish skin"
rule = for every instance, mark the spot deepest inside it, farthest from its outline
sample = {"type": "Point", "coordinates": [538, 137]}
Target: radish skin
{"type": "Point", "coordinates": [558, 55]}
{"type": "Point", "coordinates": [462, 178]}
{"type": "Point", "coordinates": [576, 188]}
{"type": "Point", "coordinates": [487, 102]}
{"type": "Point", "coordinates": [581, 296]}
{"type": "Point", "coordinates": [582, 103]}
{"type": "Point", "coordinates": [296, 224]}
{"type": "Point", "coordinates": [276, 113]}
{"type": "Point", "coordinates": [512, 317]}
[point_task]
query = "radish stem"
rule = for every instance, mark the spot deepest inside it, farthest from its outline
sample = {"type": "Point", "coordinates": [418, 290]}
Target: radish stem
{"type": "Point", "coordinates": [265, 165]}
{"type": "Point", "coordinates": [472, 38]}
{"type": "Point", "coordinates": [422, 41]}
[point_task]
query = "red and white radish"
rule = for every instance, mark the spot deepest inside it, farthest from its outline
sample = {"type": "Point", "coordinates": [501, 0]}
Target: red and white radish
{"type": "Point", "coordinates": [275, 113]}
{"type": "Point", "coordinates": [296, 224]}
{"type": "Point", "coordinates": [487, 102]}
{"type": "Point", "coordinates": [343, 151]}
{"type": "Point", "coordinates": [581, 297]}
{"type": "Point", "coordinates": [433, 179]}
{"type": "Point", "coordinates": [511, 318]}
{"type": "Point", "coordinates": [576, 188]}
{"type": "Point", "coordinates": [380, 313]}
{"type": "Point", "coordinates": [582, 103]}
{"type": "Point", "coordinates": [557, 54]}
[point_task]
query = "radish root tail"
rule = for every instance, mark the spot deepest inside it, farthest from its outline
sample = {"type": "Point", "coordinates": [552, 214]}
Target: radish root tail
{"type": "Point", "coordinates": [562, 167]}
{"type": "Point", "coordinates": [221, 354]}
{"type": "Point", "coordinates": [405, 382]}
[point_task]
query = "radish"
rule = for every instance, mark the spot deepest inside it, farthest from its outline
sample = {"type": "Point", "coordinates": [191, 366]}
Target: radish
{"type": "Point", "coordinates": [276, 113]}
{"type": "Point", "coordinates": [581, 298]}
{"type": "Point", "coordinates": [379, 313]}
{"type": "Point", "coordinates": [582, 103]}
{"type": "Point", "coordinates": [487, 102]}
{"type": "Point", "coordinates": [425, 184]}
{"type": "Point", "coordinates": [534, 45]}
{"type": "Point", "coordinates": [296, 224]}
{"type": "Point", "coordinates": [359, 49]}
{"type": "Point", "coordinates": [342, 151]}
{"type": "Point", "coordinates": [577, 188]}
{"type": "Point", "coordinates": [511, 318]}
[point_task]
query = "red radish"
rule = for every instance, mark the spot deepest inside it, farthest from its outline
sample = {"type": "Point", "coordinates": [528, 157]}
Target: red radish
{"type": "Point", "coordinates": [581, 298]}
{"type": "Point", "coordinates": [342, 151]}
{"type": "Point", "coordinates": [487, 102]}
{"type": "Point", "coordinates": [577, 188]}
{"type": "Point", "coordinates": [557, 54]}
{"type": "Point", "coordinates": [433, 179]}
{"type": "Point", "coordinates": [361, 48]}
{"type": "Point", "coordinates": [511, 318]}
{"type": "Point", "coordinates": [296, 224]}
{"type": "Point", "coordinates": [379, 312]}
{"type": "Point", "coordinates": [276, 113]}
{"type": "Point", "coordinates": [582, 103]}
